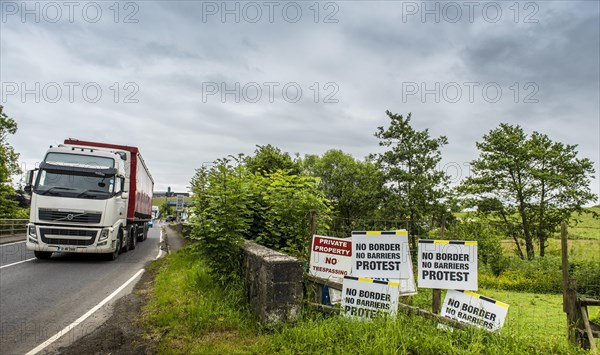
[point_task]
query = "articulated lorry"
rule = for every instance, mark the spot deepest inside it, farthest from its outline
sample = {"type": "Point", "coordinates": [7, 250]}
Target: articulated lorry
{"type": "Point", "coordinates": [89, 197]}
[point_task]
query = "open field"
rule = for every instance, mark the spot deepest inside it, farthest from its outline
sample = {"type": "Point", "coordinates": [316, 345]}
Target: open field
{"type": "Point", "coordinates": [581, 226]}
{"type": "Point", "coordinates": [158, 201]}
{"type": "Point", "coordinates": [586, 226]}
{"type": "Point", "coordinates": [579, 249]}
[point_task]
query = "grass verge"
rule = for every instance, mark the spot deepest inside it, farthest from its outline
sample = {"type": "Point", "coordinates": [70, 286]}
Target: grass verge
{"type": "Point", "coordinates": [188, 313]}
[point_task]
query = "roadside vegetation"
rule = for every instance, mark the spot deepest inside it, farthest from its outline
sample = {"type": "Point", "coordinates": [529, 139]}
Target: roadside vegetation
{"type": "Point", "coordinates": [11, 204]}
{"type": "Point", "coordinates": [190, 313]}
{"type": "Point", "coordinates": [522, 188]}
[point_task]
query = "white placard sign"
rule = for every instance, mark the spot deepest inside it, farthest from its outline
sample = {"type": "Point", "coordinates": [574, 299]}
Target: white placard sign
{"type": "Point", "coordinates": [476, 310]}
{"type": "Point", "coordinates": [379, 254]}
{"type": "Point", "coordinates": [367, 298]}
{"type": "Point", "coordinates": [447, 264]}
{"type": "Point", "coordinates": [330, 258]}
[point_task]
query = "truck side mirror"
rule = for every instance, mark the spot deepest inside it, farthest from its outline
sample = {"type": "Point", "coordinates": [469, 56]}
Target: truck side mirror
{"type": "Point", "coordinates": [124, 194]}
{"type": "Point", "coordinates": [124, 184]}
{"type": "Point", "coordinates": [29, 181]}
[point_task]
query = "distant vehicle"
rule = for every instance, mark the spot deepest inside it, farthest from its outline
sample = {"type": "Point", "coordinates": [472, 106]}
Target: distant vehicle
{"type": "Point", "coordinates": [170, 219]}
{"type": "Point", "coordinates": [89, 197]}
{"type": "Point", "coordinates": [155, 212]}
{"type": "Point", "coordinates": [151, 223]}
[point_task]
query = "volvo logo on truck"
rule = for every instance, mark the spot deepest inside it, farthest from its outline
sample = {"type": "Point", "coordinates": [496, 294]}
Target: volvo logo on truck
{"type": "Point", "coordinates": [108, 183]}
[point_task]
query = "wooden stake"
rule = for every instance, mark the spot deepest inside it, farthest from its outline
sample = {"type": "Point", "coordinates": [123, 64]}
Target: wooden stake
{"type": "Point", "coordinates": [588, 330]}
{"type": "Point", "coordinates": [565, 262]}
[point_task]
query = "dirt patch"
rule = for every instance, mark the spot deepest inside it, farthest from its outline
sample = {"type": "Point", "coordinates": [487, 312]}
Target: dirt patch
{"type": "Point", "coordinates": [122, 333]}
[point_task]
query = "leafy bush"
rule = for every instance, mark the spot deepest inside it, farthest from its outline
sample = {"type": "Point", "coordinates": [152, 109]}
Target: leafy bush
{"type": "Point", "coordinates": [587, 275]}
{"type": "Point", "coordinates": [222, 217]}
{"type": "Point", "coordinates": [233, 204]}
{"type": "Point", "coordinates": [540, 275]}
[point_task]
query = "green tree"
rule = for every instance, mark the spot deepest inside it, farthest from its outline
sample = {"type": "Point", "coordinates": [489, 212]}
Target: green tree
{"type": "Point", "coordinates": [531, 181]}
{"type": "Point", "coordinates": [354, 187]}
{"type": "Point", "coordinates": [281, 203]}
{"type": "Point", "coordinates": [9, 165]}
{"type": "Point", "coordinates": [415, 188]}
{"type": "Point", "coordinates": [268, 159]}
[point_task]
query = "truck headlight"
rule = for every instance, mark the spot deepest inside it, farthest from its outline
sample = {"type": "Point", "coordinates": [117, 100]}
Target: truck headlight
{"type": "Point", "coordinates": [103, 235]}
{"type": "Point", "coordinates": [32, 233]}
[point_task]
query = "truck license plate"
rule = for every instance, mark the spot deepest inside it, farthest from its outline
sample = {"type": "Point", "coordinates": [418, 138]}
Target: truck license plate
{"type": "Point", "coordinates": [66, 248]}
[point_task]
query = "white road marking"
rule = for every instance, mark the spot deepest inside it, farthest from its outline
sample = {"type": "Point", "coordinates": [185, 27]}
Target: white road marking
{"type": "Point", "coordinates": [79, 320]}
{"type": "Point", "coordinates": [160, 244]}
{"type": "Point", "coordinates": [18, 262]}
{"type": "Point", "coordinates": [13, 243]}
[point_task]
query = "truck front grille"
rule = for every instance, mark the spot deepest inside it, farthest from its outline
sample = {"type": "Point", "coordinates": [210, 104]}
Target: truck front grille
{"type": "Point", "coordinates": [54, 215]}
{"type": "Point", "coordinates": [69, 236]}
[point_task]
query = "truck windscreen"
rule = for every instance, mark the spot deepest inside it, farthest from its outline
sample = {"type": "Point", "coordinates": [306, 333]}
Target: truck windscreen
{"type": "Point", "coordinates": [75, 182]}
{"type": "Point", "coordinates": [79, 160]}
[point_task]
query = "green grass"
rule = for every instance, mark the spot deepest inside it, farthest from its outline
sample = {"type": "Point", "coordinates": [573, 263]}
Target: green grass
{"type": "Point", "coordinates": [585, 226]}
{"type": "Point", "coordinates": [190, 314]}
{"type": "Point", "coordinates": [158, 201]}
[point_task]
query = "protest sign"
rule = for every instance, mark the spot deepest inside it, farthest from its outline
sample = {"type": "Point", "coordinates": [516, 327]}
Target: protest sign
{"type": "Point", "coordinates": [381, 254]}
{"type": "Point", "coordinates": [473, 309]}
{"type": "Point", "coordinates": [447, 264]}
{"type": "Point", "coordinates": [367, 298]}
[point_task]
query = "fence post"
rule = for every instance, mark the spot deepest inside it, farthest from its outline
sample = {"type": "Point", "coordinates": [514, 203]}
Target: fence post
{"type": "Point", "coordinates": [565, 263]}
{"type": "Point", "coordinates": [436, 301]}
{"type": "Point", "coordinates": [312, 222]}
{"type": "Point", "coordinates": [570, 300]}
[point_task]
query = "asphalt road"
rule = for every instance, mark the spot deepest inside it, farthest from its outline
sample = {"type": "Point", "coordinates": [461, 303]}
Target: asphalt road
{"type": "Point", "coordinates": [39, 298]}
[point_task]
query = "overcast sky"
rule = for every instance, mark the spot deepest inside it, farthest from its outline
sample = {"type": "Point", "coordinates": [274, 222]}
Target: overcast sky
{"type": "Point", "coordinates": [189, 82]}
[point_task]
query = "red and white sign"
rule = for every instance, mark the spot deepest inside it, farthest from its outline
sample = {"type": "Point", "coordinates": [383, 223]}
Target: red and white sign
{"type": "Point", "coordinates": [331, 258]}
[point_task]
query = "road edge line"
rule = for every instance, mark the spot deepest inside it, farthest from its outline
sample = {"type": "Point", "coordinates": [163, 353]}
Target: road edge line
{"type": "Point", "coordinates": [12, 243]}
{"type": "Point", "coordinates": [79, 320]}
{"type": "Point", "coordinates": [160, 241]}
{"type": "Point", "coordinates": [18, 262]}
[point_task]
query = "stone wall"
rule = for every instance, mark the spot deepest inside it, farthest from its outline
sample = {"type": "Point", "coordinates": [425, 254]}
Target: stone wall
{"type": "Point", "coordinates": [273, 283]}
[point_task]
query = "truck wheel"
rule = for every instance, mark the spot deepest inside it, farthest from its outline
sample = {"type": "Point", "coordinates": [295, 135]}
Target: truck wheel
{"type": "Point", "coordinates": [142, 236]}
{"type": "Point", "coordinates": [42, 254]}
{"type": "Point", "coordinates": [132, 237]}
{"type": "Point", "coordinates": [115, 254]}
{"type": "Point", "coordinates": [126, 242]}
